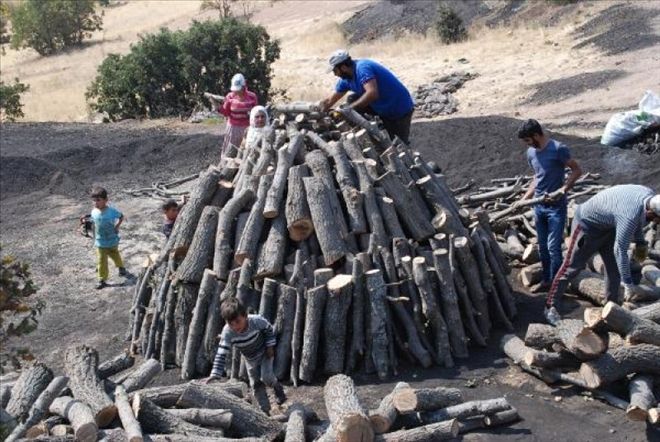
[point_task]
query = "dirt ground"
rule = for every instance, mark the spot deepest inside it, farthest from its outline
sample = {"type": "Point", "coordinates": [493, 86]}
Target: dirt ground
{"type": "Point", "coordinates": [47, 169]}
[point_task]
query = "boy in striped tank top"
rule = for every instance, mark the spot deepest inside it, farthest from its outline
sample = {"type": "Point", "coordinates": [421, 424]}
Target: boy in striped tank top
{"type": "Point", "coordinates": [254, 338]}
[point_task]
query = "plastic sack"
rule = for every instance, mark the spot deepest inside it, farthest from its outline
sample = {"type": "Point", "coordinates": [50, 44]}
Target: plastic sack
{"type": "Point", "coordinates": [627, 125]}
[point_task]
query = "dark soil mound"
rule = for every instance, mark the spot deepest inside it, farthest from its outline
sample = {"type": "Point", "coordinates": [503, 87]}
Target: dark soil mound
{"type": "Point", "coordinates": [557, 90]}
{"type": "Point", "coordinates": [487, 147]}
{"type": "Point", "coordinates": [619, 28]}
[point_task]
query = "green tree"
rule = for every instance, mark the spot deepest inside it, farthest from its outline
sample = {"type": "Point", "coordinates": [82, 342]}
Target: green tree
{"type": "Point", "coordinates": [11, 107]}
{"type": "Point", "coordinates": [4, 19]}
{"type": "Point", "coordinates": [50, 26]}
{"type": "Point", "coordinates": [18, 310]}
{"type": "Point", "coordinates": [449, 25]}
{"type": "Point", "coordinates": [166, 74]}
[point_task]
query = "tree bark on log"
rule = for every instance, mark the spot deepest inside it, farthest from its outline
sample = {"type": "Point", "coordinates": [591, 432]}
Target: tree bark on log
{"type": "Point", "coordinates": [204, 417]}
{"type": "Point", "coordinates": [143, 375]}
{"type": "Point", "coordinates": [484, 223]}
{"type": "Point", "coordinates": [295, 426]}
{"type": "Point", "coordinates": [541, 336]}
{"type": "Point", "coordinates": [249, 240]}
{"type": "Point", "coordinates": [340, 291]}
{"type": "Point", "coordinates": [316, 299]}
{"type": "Point", "coordinates": [385, 415]}
{"type": "Point", "coordinates": [620, 362]}
{"type": "Point", "coordinates": [168, 396]}
{"type": "Point", "coordinates": [200, 253]}
{"type": "Point", "coordinates": [298, 330]}
{"type": "Point", "coordinates": [169, 335]}
{"type": "Point", "coordinates": [469, 269]}
{"type": "Point", "coordinates": [40, 407]}
{"type": "Point", "coordinates": [286, 311]}
{"type": "Point", "coordinates": [119, 363]}
{"type": "Point", "coordinates": [270, 260]}
{"type": "Point", "coordinates": [467, 409]}
{"type": "Point", "coordinates": [78, 414]}
{"type": "Point", "coordinates": [81, 366]}
{"type": "Point", "coordinates": [32, 381]}
{"type": "Point", "coordinates": [325, 220]}
{"type": "Point", "coordinates": [268, 303]}
{"type": "Point", "coordinates": [532, 274]}
{"type": "Point", "coordinates": [285, 156]}
{"type": "Point", "coordinates": [374, 217]}
{"type": "Point", "coordinates": [432, 312]}
{"type": "Point", "coordinates": [213, 326]}
{"type": "Point", "coordinates": [426, 399]}
{"type": "Point", "coordinates": [348, 419]}
{"type": "Point", "coordinates": [222, 256]}
{"type": "Point", "coordinates": [652, 274]}
{"type": "Point", "coordinates": [503, 287]}
{"type": "Point", "coordinates": [635, 329]}
{"type": "Point", "coordinates": [549, 359]}
{"type": "Point", "coordinates": [183, 311]}
{"type": "Point", "coordinates": [443, 205]}
{"type": "Point", "coordinates": [414, 217]}
{"type": "Point", "coordinates": [463, 296]}
{"type": "Point", "coordinates": [357, 345]}
{"type": "Point", "coordinates": [579, 340]}
{"type": "Point", "coordinates": [128, 420]}
{"type": "Point", "coordinates": [641, 397]}
{"type": "Point", "coordinates": [207, 289]}
{"type": "Point", "coordinates": [378, 321]}
{"type": "Point", "coordinates": [449, 300]}
{"type": "Point", "coordinates": [590, 286]}
{"type": "Point", "coordinates": [298, 218]}
{"type": "Point", "coordinates": [428, 433]}
{"type": "Point", "coordinates": [247, 421]}
{"type": "Point", "coordinates": [650, 312]}
{"type": "Point", "coordinates": [156, 420]}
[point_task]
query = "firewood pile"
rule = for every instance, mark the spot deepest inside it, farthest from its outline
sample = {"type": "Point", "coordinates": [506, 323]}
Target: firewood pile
{"type": "Point", "coordinates": [436, 98]}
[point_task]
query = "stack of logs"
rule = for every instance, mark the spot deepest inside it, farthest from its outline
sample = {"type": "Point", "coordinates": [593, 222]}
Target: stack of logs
{"type": "Point", "coordinates": [345, 240]}
{"type": "Point", "coordinates": [611, 347]}
{"type": "Point", "coordinates": [517, 238]}
{"type": "Point", "coordinates": [108, 402]}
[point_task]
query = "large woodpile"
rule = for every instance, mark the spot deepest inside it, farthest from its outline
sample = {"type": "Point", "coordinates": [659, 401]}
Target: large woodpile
{"type": "Point", "coordinates": [345, 240]}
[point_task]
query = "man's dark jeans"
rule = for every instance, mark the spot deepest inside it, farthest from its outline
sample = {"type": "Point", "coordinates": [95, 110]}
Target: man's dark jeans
{"type": "Point", "coordinates": [550, 222]}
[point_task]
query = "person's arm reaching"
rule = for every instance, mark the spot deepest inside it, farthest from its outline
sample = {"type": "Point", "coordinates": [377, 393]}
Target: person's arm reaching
{"type": "Point", "coordinates": [625, 229]}
{"type": "Point", "coordinates": [576, 172]}
{"type": "Point", "coordinates": [327, 103]}
{"type": "Point", "coordinates": [370, 95]}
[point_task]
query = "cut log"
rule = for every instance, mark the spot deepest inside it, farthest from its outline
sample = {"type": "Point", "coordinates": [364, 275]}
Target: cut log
{"type": "Point", "coordinates": [650, 312]}
{"type": "Point", "coordinates": [340, 291]}
{"type": "Point", "coordinates": [532, 274]}
{"type": "Point", "coordinates": [635, 329]}
{"type": "Point", "coordinates": [357, 345]}
{"type": "Point", "coordinates": [464, 298]}
{"type": "Point", "coordinates": [247, 420]}
{"type": "Point", "coordinates": [414, 217]}
{"type": "Point", "coordinates": [590, 286]}
{"type": "Point", "coordinates": [224, 234]}
{"type": "Point", "coordinates": [428, 433]}
{"type": "Point", "coordinates": [467, 409]}
{"type": "Point", "coordinates": [249, 240]}
{"type": "Point", "coordinates": [619, 362]}
{"type": "Point", "coordinates": [78, 414]}
{"type": "Point", "coordinates": [33, 380]}
{"type": "Point", "coordinates": [200, 253]}
{"type": "Point", "coordinates": [432, 312]}
{"type": "Point", "coordinates": [316, 299]}
{"type": "Point", "coordinates": [168, 337]}
{"type": "Point", "coordinates": [213, 326]}
{"type": "Point", "coordinates": [388, 211]}
{"type": "Point", "coordinates": [512, 238]}
{"type": "Point", "coordinates": [285, 156]}
{"type": "Point", "coordinates": [81, 366]}
{"type": "Point", "coordinates": [156, 420]}
{"type": "Point", "coordinates": [143, 375]}
{"type": "Point", "coordinates": [654, 416]}
{"type": "Point", "coordinates": [549, 359]}
{"type": "Point", "coordinates": [325, 220]}
{"type": "Point", "coordinates": [204, 417]}
{"type": "Point", "coordinates": [374, 217]}
{"type": "Point", "coordinates": [579, 340]}
{"type": "Point", "coordinates": [207, 289]}
{"type": "Point", "coordinates": [531, 254]}
{"type": "Point", "coordinates": [469, 270]}
{"type": "Point", "coordinates": [348, 419]}
{"type": "Point", "coordinates": [378, 321]}
{"type": "Point", "coordinates": [541, 336]}
{"type": "Point", "coordinates": [270, 260]}
{"type": "Point", "coordinates": [426, 399]}
{"type": "Point", "coordinates": [449, 300]}
{"type": "Point", "coordinates": [652, 274]}
{"type": "Point", "coordinates": [128, 420]}
{"type": "Point", "coordinates": [286, 311]}
{"type": "Point", "coordinates": [641, 397]}
{"type": "Point", "coordinates": [295, 426]}
{"type": "Point", "coordinates": [298, 329]}
{"type": "Point", "coordinates": [168, 396]}
{"type": "Point", "coordinates": [501, 283]}
{"type": "Point", "coordinates": [111, 367]}
{"type": "Point", "coordinates": [39, 408]}
{"type": "Point", "coordinates": [385, 415]}
{"type": "Point", "coordinates": [298, 218]}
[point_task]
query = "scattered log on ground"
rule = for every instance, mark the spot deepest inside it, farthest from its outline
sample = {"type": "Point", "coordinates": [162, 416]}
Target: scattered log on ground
{"type": "Point", "coordinates": [348, 419]}
{"type": "Point", "coordinates": [386, 414]}
{"type": "Point", "coordinates": [650, 312]}
{"type": "Point", "coordinates": [78, 414]}
{"type": "Point", "coordinates": [641, 397]}
{"type": "Point", "coordinates": [636, 330]}
{"type": "Point", "coordinates": [119, 363]}
{"type": "Point", "coordinates": [444, 430]}
{"type": "Point", "coordinates": [205, 417]}
{"type": "Point", "coordinates": [33, 380]}
{"type": "Point", "coordinates": [295, 426]}
{"type": "Point", "coordinates": [426, 399]}
{"type": "Point", "coordinates": [128, 420]}
{"type": "Point", "coordinates": [142, 375]}
{"type": "Point", "coordinates": [467, 409]}
{"type": "Point", "coordinates": [619, 362]}
{"type": "Point", "coordinates": [579, 340]}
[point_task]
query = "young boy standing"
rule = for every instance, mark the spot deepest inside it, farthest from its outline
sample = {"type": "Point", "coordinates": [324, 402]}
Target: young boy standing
{"type": "Point", "coordinates": [106, 220]}
{"type": "Point", "coordinates": [170, 212]}
{"type": "Point", "coordinates": [254, 338]}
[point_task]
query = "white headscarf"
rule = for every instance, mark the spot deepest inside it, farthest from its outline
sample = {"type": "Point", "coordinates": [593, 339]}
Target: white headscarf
{"type": "Point", "coordinates": [254, 133]}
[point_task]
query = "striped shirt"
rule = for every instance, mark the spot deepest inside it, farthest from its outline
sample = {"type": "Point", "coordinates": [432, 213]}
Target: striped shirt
{"type": "Point", "coordinates": [622, 208]}
{"type": "Point", "coordinates": [251, 343]}
{"type": "Point", "coordinates": [237, 109]}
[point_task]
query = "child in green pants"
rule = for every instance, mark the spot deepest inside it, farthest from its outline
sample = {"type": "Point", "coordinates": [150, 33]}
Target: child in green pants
{"type": "Point", "coordinates": [107, 220]}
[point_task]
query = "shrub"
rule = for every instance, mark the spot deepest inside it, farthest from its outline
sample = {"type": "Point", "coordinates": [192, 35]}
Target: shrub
{"type": "Point", "coordinates": [4, 19]}
{"type": "Point", "coordinates": [11, 107]}
{"type": "Point", "coordinates": [166, 74]}
{"type": "Point", "coordinates": [449, 25]}
{"type": "Point", "coordinates": [18, 313]}
{"type": "Point", "coordinates": [50, 26]}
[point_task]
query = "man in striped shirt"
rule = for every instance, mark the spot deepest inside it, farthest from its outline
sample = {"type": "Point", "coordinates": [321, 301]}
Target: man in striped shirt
{"type": "Point", "coordinates": [254, 338]}
{"type": "Point", "coordinates": [607, 224]}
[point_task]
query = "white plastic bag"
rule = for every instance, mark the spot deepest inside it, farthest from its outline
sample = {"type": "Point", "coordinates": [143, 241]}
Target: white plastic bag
{"type": "Point", "coordinates": [627, 125]}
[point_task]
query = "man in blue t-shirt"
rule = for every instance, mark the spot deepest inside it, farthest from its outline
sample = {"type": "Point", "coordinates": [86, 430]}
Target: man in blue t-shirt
{"type": "Point", "coordinates": [548, 158]}
{"type": "Point", "coordinates": [376, 90]}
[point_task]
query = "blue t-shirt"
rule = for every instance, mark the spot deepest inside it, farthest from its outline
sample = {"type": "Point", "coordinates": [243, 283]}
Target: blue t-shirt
{"type": "Point", "coordinates": [548, 164]}
{"type": "Point", "coordinates": [394, 100]}
{"type": "Point", "coordinates": [104, 226]}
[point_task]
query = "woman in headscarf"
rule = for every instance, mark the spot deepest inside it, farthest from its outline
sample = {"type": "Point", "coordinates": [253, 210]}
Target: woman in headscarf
{"type": "Point", "coordinates": [258, 124]}
{"type": "Point", "coordinates": [236, 107]}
